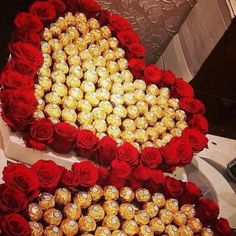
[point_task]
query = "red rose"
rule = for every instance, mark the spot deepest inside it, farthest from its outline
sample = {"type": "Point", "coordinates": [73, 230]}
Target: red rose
{"type": "Point", "coordinates": [136, 67]}
{"type": "Point", "coordinates": [22, 178]}
{"type": "Point", "coordinates": [199, 122]}
{"type": "Point", "coordinates": [173, 188]}
{"type": "Point", "coordinates": [26, 22]}
{"type": "Point", "coordinates": [191, 193]}
{"type": "Point", "coordinates": [63, 137]}
{"type": "Point", "coordinates": [18, 107]}
{"type": "Point", "coordinates": [127, 37]}
{"type": "Point", "coordinates": [192, 105]}
{"type": "Point", "coordinates": [72, 5]}
{"type": "Point", "coordinates": [14, 225]}
{"type": "Point", "coordinates": [86, 172]}
{"type": "Point", "coordinates": [30, 37]}
{"type": "Point", "coordinates": [103, 17]}
{"type": "Point", "coordinates": [183, 89]}
{"type": "Point", "coordinates": [152, 74]}
{"type": "Point", "coordinates": [14, 80]}
{"type": "Point", "coordinates": [134, 183]}
{"type": "Point", "coordinates": [22, 66]}
{"type": "Point", "coordinates": [222, 227]}
{"type": "Point", "coordinates": [169, 155]}
{"type": "Point", "coordinates": [107, 150]}
{"type": "Point", "coordinates": [89, 7]}
{"type": "Point", "coordinates": [87, 144]}
{"type": "Point", "coordinates": [118, 23]}
{"type": "Point", "coordinates": [27, 52]}
{"type": "Point", "coordinates": [136, 50]}
{"type": "Point", "coordinates": [151, 157]}
{"type": "Point", "coordinates": [44, 10]}
{"type": "Point", "coordinates": [196, 138]}
{"type": "Point", "coordinates": [69, 179]}
{"type": "Point", "coordinates": [157, 177]}
{"type": "Point", "coordinates": [115, 181]}
{"type": "Point", "coordinates": [168, 78]}
{"type": "Point", "coordinates": [142, 172]}
{"type": "Point", "coordinates": [11, 199]}
{"type": "Point", "coordinates": [49, 174]}
{"type": "Point", "coordinates": [102, 175]}
{"type": "Point", "coordinates": [120, 169]}
{"type": "Point", "coordinates": [127, 153]}
{"type": "Point", "coordinates": [206, 210]}
{"type": "Point", "coordinates": [59, 5]}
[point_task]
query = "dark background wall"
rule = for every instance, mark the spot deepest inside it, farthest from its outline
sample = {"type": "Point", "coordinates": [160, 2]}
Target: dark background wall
{"type": "Point", "coordinates": [215, 83]}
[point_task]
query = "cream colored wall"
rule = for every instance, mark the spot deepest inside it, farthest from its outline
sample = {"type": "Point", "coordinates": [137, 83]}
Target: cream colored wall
{"type": "Point", "coordinates": [197, 37]}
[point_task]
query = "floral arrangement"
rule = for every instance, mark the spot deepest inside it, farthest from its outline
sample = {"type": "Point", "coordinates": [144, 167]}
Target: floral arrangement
{"type": "Point", "coordinates": [46, 199]}
{"type": "Point", "coordinates": [36, 73]}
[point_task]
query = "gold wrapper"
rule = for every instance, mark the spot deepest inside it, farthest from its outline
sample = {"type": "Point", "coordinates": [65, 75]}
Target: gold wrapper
{"type": "Point", "coordinates": [206, 232]}
{"type": "Point", "coordinates": [69, 227]}
{"type": "Point", "coordinates": [102, 231]}
{"type": "Point", "coordinates": [150, 117]}
{"type": "Point", "coordinates": [185, 230]}
{"type": "Point", "coordinates": [86, 55]}
{"type": "Point", "coordinates": [69, 102]}
{"type": "Point", "coordinates": [141, 136]}
{"type": "Point", "coordinates": [103, 94]}
{"type": "Point", "coordinates": [181, 124]}
{"type": "Point", "coordinates": [130, 227]}
{"type": "Point", "coordinates": [141, 123]}
{"type": "Point", "coordinates": [152, 89]}
{"type": "Point", "coordinates": [119, 53]}
{"type": "Point", "coordinates": [53, 110]}
{"type": "Point", "coordinates": [69, 115]}
{"type": "Point", "coordinates": [175, 132]}
{"type": "Point", "coordinates": [96, 212]}
{"type": "Point", "coordinates": [52, 216]}
{"type": "Point", "coordinates": [71, 20]}
{"type": "Point", "coordinates": [46, 47]}
{"type": "Point", "coordinates": [35, 211]}
{"type": "Point", "coordinates": [41, 104]}
{"type": "Point", "coordinates": [92, 98]}
{"type": "Point", "coordinates": [123, 64]}
{"type": "Point", "coordinates": [83, 199]}
{"type": "Point", "coordinates": [58, 76]}
{"type": "Point", "coordinates": [113, 119]}
{"type": "Point", "coordinates": [166, 216]}
{"type": "Point", "coordinates": [150, 99]}
{"type": "Point", "coordinates": [172, 205]}
{"type": "Point", "coordinates": [73, 32]}
{"type": "Point", "coordinates": [188, 210]}
{"type": "Point", "coordinates": [129, 99]}
{"type": "Point", "coordinates": [77, 71]}
{"type": "Point", "coordinates": [111, 193]}
{"type": "Point", "coordinates": [55, 29]}
{"type": "Point", "coordinates": [127, 76]}
{"type": "Point", "coordinates": [60, 89]}
{"type": "Point", "coordinates": [82, 45]}
{"type": "Point", "coordinates": [106, 32]}
{"type": "Point", "coordinates": [77, 93]}
{"type": "Point", "coordinates": [180, 115]}
{"type": "Point", "coordinates": [62, 196]}
{"type": "Point", "coordinates": [157, 225]}
{"type": "Point", "coordinates": [117, 88]}
{"type": "Point", "coordinates": [55, 44]}
{"type": "Point", "coordinates": [120, 111]}
{"type": "Point", "coordinates": [151, 208]}
{"type": "Point", "coordinates": [145, 230]}
{"type": "Point", "coordinates": [47, 59]}
{"type": "Point", "coordinates": [112, 222]}
{"type": "Point", "coordinates": [129, 88]}
{"type": "Point", "coordinates": [140, 84]}
{"type": "Point", "coordinates": [45, 83]}
{"type": "Point", "coordinates": [142, 107]}
{"type": "Point", "coordinates": [87, 224]}
{"type": "Point", "coordinates": [100, 125]}
{"type": "Point", "coordinates": [126, 194]}
{"type": "Point", "coordinates": [80, 17]}
{"type": "Point", "coordinates": [46, 201]}
{"type": "Point", "coordinates": [142, 195]}
{"type": "Point", "coordinates": [172, 230]}
{"type": "Point", "coordinates": [36, 228]}
{"type": "Point", "coordinates": [139, 95]}
{"type": "Point", "coordinates": [72, 81]}
{"type": "Point", "coordinates": [116, 78]}
{"type": "Point", "coordinates": [47, 34]}
{"type": "Point", "coordinates": [74, 60]}
{"type": "Point", "coordinates": [53, 98]}
{"type": "Point", "coordinates": [129, 125]}
{"type": "Point", "coordinates": [84, 105]}
{"type": "Point", "coordinates": [39, 114]}
{"type": "Point", "coordinates": [72, 211]}
{"type": "Point", "coordinates": [89, 66]}
{"type": "Point", "coordinates": [105, 83]}
{"type": "Point", "coordinates": [85, 118]}
{"type": "Point", "coordinates": [38, 91]}
{"type": "Point", "coordinates": [180, 218]}
{"type": "Point", "coordinates": [118, 233]}
{"type": "Point", "coordinates": [195, 225]}
{"type": "Point", "coordinates": [52, 230]}
{"type": "Point", "coordinates": [152, 133]}
{"type": "Point", "coordinates": [114, 131]}
{"type": "Point", "coordinates": [141, 217]}
{"type": "Point", "coordinates": [133, 112]}
{"type": "Point", "coordinates": [99, 62]}
{"type": "Point", "coordinates": [159, 199]}
{"type": "Point", "coordinates": [160, 127]}
{"type": "Point", "coordinates": [127, 211]}
{"type": "Point", "coordinates": [111, 207]}
{"type": "Point", "coordinates": [113, 42]}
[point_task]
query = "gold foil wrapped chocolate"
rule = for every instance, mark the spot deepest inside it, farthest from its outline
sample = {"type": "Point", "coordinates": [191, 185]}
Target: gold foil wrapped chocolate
{"type": "Point", "coordinates": [52, 216]}
{"type": "Point", "coordinates": [83, 199]}
{"type": "Point", "coordinates": [72, 211]}
{"type": "Point", "coordinates": [141, 217]}
{"type": "Point", "coordinates": [102, 231]}
{"type": "Point", "coordinates": [166, 216]}
{"type": "Point", "coordinates": [111, 207]}
{"type": "Point", "coordinates": [145, 230]}
{"type": "Point", "coordinates": [126, 194]}
{"type": "Point", "coordinates": [96, 192]}
{"type": "Point", "coordinates": [87, 224]}
{"type": "Point", "coordinates": [35, 211]}
{"type": "Point", "coordinates": [36, 228]}
{"type": "Point", "coordinates": [111, 193]}
{"type": "Point", "coordinates": [127, 211]}
{"type": "Point", "coordinates": [172, 230]}
{"type": "Point", "coordinates": [195, 225]}
{"type": "Point", "coordinates": [180, 218]}
{"type": "Point", "coordinates": [96, 212]}
{"type": "Point", "coordinates": [206, 232]}
{"type": "Point", "coordinates": [188, 210]}
{"type": "Point", "coordinates": [172, 205]}
{"type": "Point", "coordinates": [142, 195]}
{"type": "Point", "coordinates": [46, 201]}
{"type": "Point", "coordinates": [62, 196]}
{"type": "Point", "coordinates": [69, 227]}
{"type": "Point", "coordinates": [157, 225]}
{"type": "Point", "coordinates": [111, 222]}
{"type": "Point", "coordinates": [52, 230]}
{"type": "Point", "coordinates": [151, 208]}
{"type": "Point", "coordinates": [185, 230]}
{"type": "Point", "coordinates": [159, 199]}
{"type": "Point", "coordinates": [130, 227]}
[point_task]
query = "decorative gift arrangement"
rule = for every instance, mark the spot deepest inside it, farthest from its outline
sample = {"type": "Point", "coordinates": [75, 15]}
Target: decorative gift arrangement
{"type": "Point", "coordinates": [46, 199]}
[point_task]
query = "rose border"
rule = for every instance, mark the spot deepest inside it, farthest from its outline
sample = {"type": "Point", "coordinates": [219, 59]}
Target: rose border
{"type": "Point", "coordinates": [193, 137]}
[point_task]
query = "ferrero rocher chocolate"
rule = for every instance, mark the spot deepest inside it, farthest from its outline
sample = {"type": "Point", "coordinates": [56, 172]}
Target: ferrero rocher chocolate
{"type": "Point", "coordinates": [172, 230]}
{"type": "Point", "coordinates": [145, 230]}
{"type": "Point", "coordinates": [126, 194]}
{"type": "Point", "coordinates": [127, 211]}
{"type": "Point", "coordinates": [157, 225]}
{"type": "Point", "coordinates": [111, 193]}
{"type": "Point", "coordinates": [69, 227]}
{"type": "Point", "coordinates": [35, 211]}
{"type": "Point", "coordinates": [52, 230]}
{"type": "Point", "coordinates": [142, 195]}
{"type": "Point", "coordinates": [62, 196]}
{"type": "Point", "coordinates": [83, 199]}
{"type": "Point", "coordinates": [118, 233]}
{"type": "Point", "coordinates": [36, 228]}
{"type": "Point", "coordinates": [130, 227]}
{"type": "Point", "coordinates": [52, 216]}
{"type": "Point", "coordinates": [102, 231]}
{"type": "Point", "coordinates": [195, 225]}
{"type": "Point", "coordinates": [46, 201]}
{"type": "Point", "coordinates": [141, 217]}
{"type": "Point", "coordinates": [96, 212]}
{"type": "Point", "coordinates": [166, 216]}
{"type": "Point", "coordinates": [72, 211]}
{"type": "Point", "coordinates": [112, 222]}
{"type": "Point", "coordinates": [96, 193]}
{"type": "Point", "coordinates": [159, 199]}
{"type": "Point", "coordinates": [111, 207]}
{"type": "Point", "coordinates": [188, 210]}
{"type": "Point", "coordinates": [151, 208]}
{"type": "Point", "coordinates": [172, 205]}
{"type": "Point", "coordinates": [180, 218]}
{"type": "Point", "coordinates": [206, 232]}
{"type": "Point", "coordinates": [87, 224]}
{"type": "Point", "coordinates": [185, 230]}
